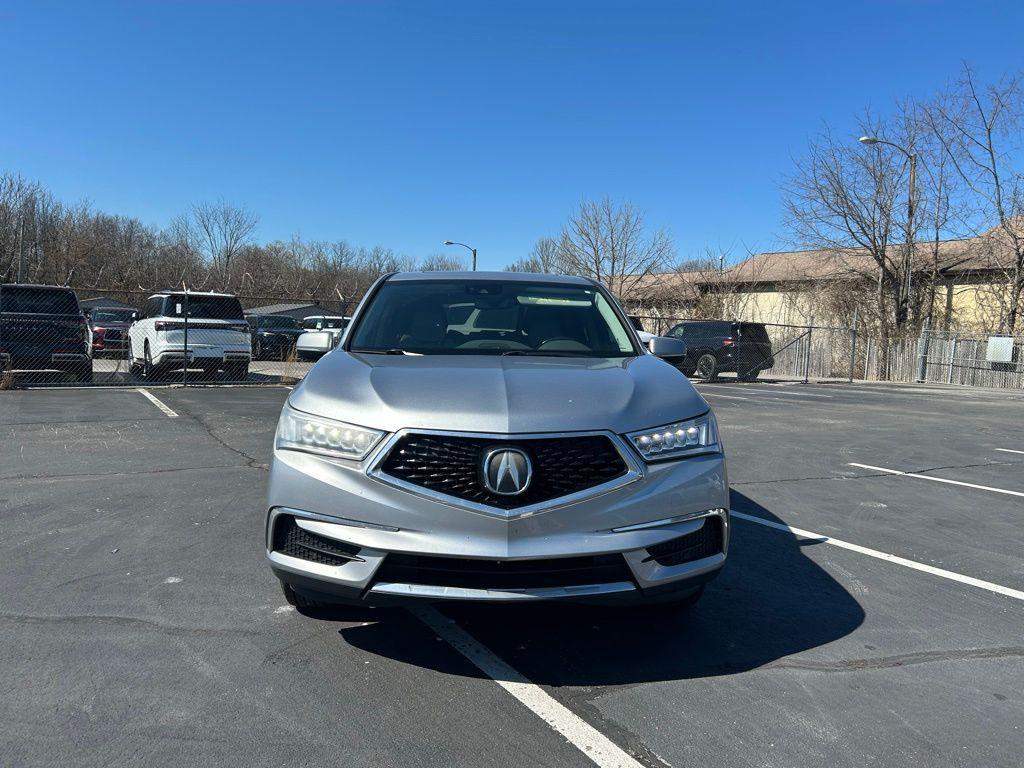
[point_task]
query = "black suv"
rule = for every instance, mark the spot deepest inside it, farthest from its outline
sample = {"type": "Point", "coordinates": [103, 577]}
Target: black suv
{"type": "Point", "coordinates": [719, 346]}
{"type": "Point", "coordinates": [273, 336]}
{"type": "Point", "coordinates": [42, 328]}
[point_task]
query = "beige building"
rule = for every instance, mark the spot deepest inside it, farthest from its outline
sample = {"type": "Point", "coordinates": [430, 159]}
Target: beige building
{"type": "Point", "coordinates": [969, 280]}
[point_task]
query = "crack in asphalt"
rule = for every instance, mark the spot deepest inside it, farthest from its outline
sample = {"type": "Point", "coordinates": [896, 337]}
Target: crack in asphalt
{"type": "Point", "coordinates": [78, 475]}
{"type": "Point", "coordinates": [251, 461]}
{"type": "Point", "coordinates": [901, 660]}
{"type": "Point", "coordinates": [869, 475]}
{"type": "Point", "coordinates": [127, 622]}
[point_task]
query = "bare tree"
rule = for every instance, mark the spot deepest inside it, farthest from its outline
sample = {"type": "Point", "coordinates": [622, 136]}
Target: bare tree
{"type": "Point", "coordinates": [545, 258]}
{"type": "Point", "coordinates": [846, 197]}
{"type": "Point", "coordinates": [217, 231]}
{"type": "Point", "coordinates": [979, 130]}
{"type": "Point", "coordinates": [442, 262]}
{"type": "Point", "coordinates": [609, 242]}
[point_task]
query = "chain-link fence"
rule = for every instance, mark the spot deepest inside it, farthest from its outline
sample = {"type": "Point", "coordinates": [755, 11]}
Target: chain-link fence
{"type": "Point", "coordinates": [749, 350]}
{"type": "Point", "coordinates": [811, 352]}
{"type": "Point", "coordinates": [55, 335]}
{"type": "Point", "coordinates": [980, 361]}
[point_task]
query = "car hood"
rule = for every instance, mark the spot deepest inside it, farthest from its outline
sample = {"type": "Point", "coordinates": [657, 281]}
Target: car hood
{"type": "Point", "coordinates": [281, 331]}
{"type": "Point", "coordinates": [481, 393]}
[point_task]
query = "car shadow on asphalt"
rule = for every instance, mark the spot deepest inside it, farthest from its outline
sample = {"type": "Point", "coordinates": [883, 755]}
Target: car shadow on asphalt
{"type": "Point", "coordinates": [771, 601]}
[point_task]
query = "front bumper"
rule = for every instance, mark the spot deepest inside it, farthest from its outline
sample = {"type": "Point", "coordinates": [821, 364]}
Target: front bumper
{"type": "Point", "coordinates": [341, 502]}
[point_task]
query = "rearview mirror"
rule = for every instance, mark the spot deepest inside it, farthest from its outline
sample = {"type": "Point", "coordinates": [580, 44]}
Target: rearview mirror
{"type": "Point", "coordinates": [664, 346]}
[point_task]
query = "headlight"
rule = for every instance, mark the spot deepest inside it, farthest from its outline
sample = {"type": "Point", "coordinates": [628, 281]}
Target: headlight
{"type": "Point", "coordinates": [673, 441]}
{"type": "Point", "coordinates": [297, 431]}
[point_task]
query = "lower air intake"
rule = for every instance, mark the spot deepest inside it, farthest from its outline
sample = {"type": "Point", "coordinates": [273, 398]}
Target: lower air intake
{"type": "Point", "coordinates": [293, 541]}
{"type": "Point", "coordinates": [470, 573]}
{"type": "Point", "coordinates": [704, 542]}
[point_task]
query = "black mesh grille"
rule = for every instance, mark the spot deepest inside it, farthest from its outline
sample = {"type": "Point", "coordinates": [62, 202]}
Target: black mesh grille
{"type": "Point", "coordinates": [704, 542]}
{"type": "Point", "coordinates": [452, 465]}
{"type": "Point", "coordinates": [503, 574]}
{"type": "Point", "coordinates": [291, 540]}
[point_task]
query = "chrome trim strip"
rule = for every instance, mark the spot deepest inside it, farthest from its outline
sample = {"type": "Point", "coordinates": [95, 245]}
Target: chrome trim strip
{"type": "Point", "coordinates": [466, 593]}
{"type": "Point", "coordinates": [331, 519]}
{"type": "Point", "coordinates": [634, 472]}
{"type": "Point", "coordinates": [669, 521]}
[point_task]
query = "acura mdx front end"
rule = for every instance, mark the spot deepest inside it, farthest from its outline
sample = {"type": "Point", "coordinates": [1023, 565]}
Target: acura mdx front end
{"type": "Point", "coordinates": [495, 437]}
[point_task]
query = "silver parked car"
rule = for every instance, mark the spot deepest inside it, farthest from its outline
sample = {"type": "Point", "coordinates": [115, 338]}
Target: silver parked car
{"type": "Point", "coordinates": [321, 334]}
{"type": "Point", "coordinates": [496, 436]}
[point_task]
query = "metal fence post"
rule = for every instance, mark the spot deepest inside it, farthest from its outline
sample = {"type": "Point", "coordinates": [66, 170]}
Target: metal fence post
{"type": "Point", "coordinates": [952, 358]}
{"type": "Point", "coordinates": [922, 350]}
{"type": "Point", "coordinates": [853, 343]}
{"type": "Point", "coordinates": [184, 369]}
{"type": "Point", "coordinates": [807, 357]}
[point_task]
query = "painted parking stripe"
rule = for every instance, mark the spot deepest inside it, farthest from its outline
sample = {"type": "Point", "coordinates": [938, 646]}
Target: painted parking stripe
{"type": "Point", "coordinates": [157, 402]}
{"type": "Point", "coordinates": [938, 479]}
{"type": "Point", "coordinates": [1009, 450]}
{"type": "Point", "coordinates": [783, 391]}
{"type": "Point", "coordinates": [941, 572]}
{"type": "Point", "coordinates": [591, 742]}
{"type": "Point", "coordinates": [724, 397]}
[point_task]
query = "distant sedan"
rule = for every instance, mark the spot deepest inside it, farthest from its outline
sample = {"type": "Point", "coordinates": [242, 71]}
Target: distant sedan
{"type": "Point", "coordinates": [321, 334]}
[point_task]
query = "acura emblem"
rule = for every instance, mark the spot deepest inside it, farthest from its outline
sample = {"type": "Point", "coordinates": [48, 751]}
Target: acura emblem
{"type": "Point", "coordinates": [506, 471]}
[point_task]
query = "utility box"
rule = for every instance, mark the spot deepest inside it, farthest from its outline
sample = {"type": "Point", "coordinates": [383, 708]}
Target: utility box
{"type": "Point", "coordinates": [1000, 349]}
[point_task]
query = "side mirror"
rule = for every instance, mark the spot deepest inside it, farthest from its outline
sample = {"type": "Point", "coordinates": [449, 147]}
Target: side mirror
{"type": "Point", "coordinates": [664, 346]}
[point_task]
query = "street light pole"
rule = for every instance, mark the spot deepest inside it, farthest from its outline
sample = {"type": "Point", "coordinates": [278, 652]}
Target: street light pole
{"type": "Point", "coordinates": [908, 264]}
{"type": "Point", "coordinates": [467, 247]}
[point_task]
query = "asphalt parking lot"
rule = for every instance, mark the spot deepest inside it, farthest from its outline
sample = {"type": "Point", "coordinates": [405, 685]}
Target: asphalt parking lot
{"type": "Point", "coordinates": [139, 624]}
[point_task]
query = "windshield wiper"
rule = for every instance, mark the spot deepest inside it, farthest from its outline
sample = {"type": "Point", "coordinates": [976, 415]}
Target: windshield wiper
{"type": "Point", "coordinates": [542, 353]}
{"type": "Point", "coordinates": [392, 351]}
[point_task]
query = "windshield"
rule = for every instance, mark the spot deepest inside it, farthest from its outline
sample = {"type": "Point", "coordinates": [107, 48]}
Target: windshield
{"type": "Point", "coordinates": [475, 317]}
{"type": "Point", "coordinates": [278, 321]}
{"type": "Point", "coordinates": [41, 301]}
{"type": "Point", "coordinates": [112, 315]}
{"type": "Point", "coordinates": [205, 306]}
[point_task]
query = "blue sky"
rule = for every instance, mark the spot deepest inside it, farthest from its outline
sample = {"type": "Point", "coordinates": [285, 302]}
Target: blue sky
{"type": "Point", "coordinates": [406, 123]}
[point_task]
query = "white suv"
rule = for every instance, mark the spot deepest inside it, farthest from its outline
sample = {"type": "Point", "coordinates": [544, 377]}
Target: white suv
{"type": "Point", "coordinates": [218, 336]}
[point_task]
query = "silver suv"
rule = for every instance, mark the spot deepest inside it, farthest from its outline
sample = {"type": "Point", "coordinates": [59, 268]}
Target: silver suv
{"type": "Point", "coordinates": [499, 437]}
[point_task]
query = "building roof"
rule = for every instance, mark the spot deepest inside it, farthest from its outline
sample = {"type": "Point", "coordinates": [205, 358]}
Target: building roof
{"type": "Point", "coordinates": [103, 301]}
{"type": "Point", "coordinates": [988, 251]}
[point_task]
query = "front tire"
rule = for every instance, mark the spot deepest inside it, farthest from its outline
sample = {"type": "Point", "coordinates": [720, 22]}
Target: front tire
{"type": "Point", "coordinates": [707, 367]}
{"type": "Point", "coordinates": [301, 602]}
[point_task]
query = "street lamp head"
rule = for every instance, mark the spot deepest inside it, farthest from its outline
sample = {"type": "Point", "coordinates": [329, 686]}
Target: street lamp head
{"type": "Point", "coordinates": [868, 140]}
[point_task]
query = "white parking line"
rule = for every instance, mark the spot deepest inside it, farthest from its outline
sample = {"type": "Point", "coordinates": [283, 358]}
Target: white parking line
{"type": "Point", "coordinates": [158, 403]}
{"type": "Point", "coordinates": [724, 397]}
{"type": "Point", "coordinates": [782, 391]}
{"type": "Point", "coordinates": [938, 479]}
{"type": "Point", "coordinates": [1009, 450]}
{"type": "Point", "coordinates": [591, 742]}
{"type": "Point", "coordinates": [941, 572]}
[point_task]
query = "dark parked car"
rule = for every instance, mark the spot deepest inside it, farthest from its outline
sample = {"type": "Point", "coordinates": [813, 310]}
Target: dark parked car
{"type": "Point", "coordinates": [273, 336]}
{"type": "Point", "coordinates": [719, 346]}
{"type": "Point", "coordinates": [108, 330]}
{"type": "Point", "coordinates": [42, 328]}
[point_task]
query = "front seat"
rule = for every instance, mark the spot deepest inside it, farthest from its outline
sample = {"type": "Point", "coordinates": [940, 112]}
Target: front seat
{"type": "Point", "coordinates": [426, 328]}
